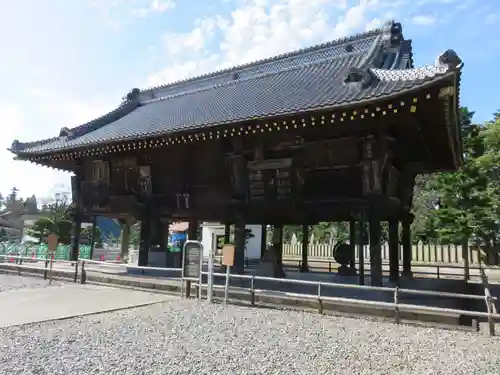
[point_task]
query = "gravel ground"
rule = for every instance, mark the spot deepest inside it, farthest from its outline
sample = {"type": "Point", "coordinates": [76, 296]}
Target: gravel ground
{"type": "Point", "coordinates": [14, 282]}
{"type": "Point", "coordinates": [188, 337]}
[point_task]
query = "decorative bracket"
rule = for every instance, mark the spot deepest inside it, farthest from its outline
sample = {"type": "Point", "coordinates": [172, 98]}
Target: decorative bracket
{"type": "Point", "coordinates": [449, 60]}
{"type": "Point", "coordinates": [362, 78]}
{"type": "Point", "coordinates": [392, 35]}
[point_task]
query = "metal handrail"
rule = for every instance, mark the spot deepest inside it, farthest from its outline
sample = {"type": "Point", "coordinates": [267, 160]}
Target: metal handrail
{"type": "Point", "coordinates": [36, 258]}
{"type": "Point", "coordinates": [353, 286]}
{"type": "Point", "coordinates": [491, 314]}
{"type": "Point", "coordinates": [124, 265]}
{"type": "Point", "coordinates": [47, 268]}
{"type": "Point", "coordinates": [489, 300]}
{"type": "Point", "coordinates": [394, 305]}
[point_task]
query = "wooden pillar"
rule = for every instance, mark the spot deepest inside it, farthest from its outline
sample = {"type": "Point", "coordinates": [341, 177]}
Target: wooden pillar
{"type": "Point", "coordinates": [227, 233]}
{"type": "Point", "coordinates": [145, 242]}
{"type": "Point", "coordinates": [278, 248]}
{"type": "Point", "coordinates": [278, 242]}
{"type": "Point", "coordinates": [125, 241]}
{"type": "Point", "coordinates": [75, 240]}
{"type": "Point", "coordinates": [407, 248]}
{"type": "Point", "coordinates": [352, 242]}
{"type": "Point", "coordinates": [168, 255]}
{"type": "Point", "coordinates": [361, 251]}
{"type": "Point", "coordinates": [375, 252]}
{"type": "Point", "coordinates": [239, 244]}
{"type": "Point", "coordinates": [93, 238]}
{"type": "Point", "coordinates": [193, 230]}
{"type": "Point", "coordinates": [159, 233]}
{"type": "Point", "coordinates": [305, 248]}
{"type": "Point", "coordinates": [263, 240]}
{"type": "Point", "coordinates": [393, 250]}
{"type": "Point", "coordinates": [77, 218]}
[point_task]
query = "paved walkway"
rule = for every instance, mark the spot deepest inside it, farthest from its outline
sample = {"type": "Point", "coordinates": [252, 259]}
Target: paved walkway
{"type": "Point", "coordinates": [60, 302]}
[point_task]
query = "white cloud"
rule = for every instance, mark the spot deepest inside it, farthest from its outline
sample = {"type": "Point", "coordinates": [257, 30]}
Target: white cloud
{"type": "Point", "coordinates": [155, 6]}
{"type": "Point", "coordinates": [52, 112]}
{"type": "Point", "coordinates": [373, 24]}
{"type": "Point", "coordinates": [259, 29]}
{"type": "Point", "coordinates": [161, 6]}
{"type": "Point", "coordinates": [193, 41]}
{"type": "Point", "coordinates": [116, 13]}
{"type": "Point", "coordinates": [424, 20]}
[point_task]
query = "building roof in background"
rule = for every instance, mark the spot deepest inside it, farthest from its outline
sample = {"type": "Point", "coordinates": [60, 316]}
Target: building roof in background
{"type": "Point", "coordinates": [179, 227]}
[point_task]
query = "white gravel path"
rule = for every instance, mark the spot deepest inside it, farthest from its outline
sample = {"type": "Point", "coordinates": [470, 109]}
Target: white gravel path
{"type": "Point", "coordinates": [189, 337]}
{"type": "Point", "coordinates": [14, 282]}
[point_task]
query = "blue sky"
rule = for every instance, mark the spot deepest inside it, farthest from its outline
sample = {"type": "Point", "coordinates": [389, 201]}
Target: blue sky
{"type": "Point", "coordinates": [66, 62]}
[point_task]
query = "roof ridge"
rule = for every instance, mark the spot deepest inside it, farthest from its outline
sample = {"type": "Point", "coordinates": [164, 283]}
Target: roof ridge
{"type": "Point", "coordinates": [249, 78]}
{"type": "Point", "coordinates": [268, 60]}
{"type": "Point", "coordinates": [124, 108]}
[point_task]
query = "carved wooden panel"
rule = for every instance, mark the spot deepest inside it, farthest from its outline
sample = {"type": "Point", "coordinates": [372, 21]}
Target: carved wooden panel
{"type": "Point", "coordinates": [271, 179]}
{"type": "Point", "coordinates": [100, 171]}
{"type": "Point", "coordinates": [331, 152]}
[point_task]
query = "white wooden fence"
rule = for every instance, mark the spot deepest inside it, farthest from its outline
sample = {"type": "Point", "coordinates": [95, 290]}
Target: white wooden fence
{"type": "Point", "coordinates": [420, 253]}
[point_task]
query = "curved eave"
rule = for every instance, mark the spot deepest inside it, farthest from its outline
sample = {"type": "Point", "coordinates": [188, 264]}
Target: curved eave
{"type": "Point", "coordinates": [121, 111]}
{"type": "Point", "coordinates": [140, 97]}
{"type": "Point", "coordinates": [353, 106]}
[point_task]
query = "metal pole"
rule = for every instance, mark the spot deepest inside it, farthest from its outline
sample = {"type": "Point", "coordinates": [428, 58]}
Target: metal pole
{"type": "Point", "coordinates": [490, 308]}
{"type": "Point", "coordinates": [75, 278]}
{"type": "Point", "coordinates": [226, 287]}
{"type": "Point", "coordinates": [182, 287]}
{"type": "Point", "coordinates": [83, 277]}
{"type": "Point", "coordinates": [210, 275]}
{"type": "Point", "coordinates": [200, 279]}
{"type": "Point", "coordinates": [50, 268]}
{"type": "Point", "coordinates": [396, 307]}
{"type": "Point", "coordinates": [45, 273]}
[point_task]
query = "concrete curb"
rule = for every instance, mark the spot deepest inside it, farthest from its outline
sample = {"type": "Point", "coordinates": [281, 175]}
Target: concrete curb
{"type": "Point", "coordinates": [267, 298]}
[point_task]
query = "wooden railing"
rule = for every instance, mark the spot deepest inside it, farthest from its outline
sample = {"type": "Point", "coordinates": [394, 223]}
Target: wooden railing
{"type": "Point", "coordinates": [420, 253]}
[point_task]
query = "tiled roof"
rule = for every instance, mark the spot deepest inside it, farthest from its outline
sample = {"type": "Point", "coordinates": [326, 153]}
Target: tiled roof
{"type": "Point", "coordinates": [364, 67]}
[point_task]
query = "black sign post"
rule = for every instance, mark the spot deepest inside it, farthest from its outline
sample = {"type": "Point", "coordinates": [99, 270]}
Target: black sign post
{"type": "Point", "coordinates": [192, 263]}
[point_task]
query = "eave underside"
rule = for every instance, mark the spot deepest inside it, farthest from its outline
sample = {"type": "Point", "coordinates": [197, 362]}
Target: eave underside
{"type": "Point", "coordinates": [425, 110]}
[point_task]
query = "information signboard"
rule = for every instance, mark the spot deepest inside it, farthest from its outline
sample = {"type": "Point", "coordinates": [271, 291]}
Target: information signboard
{"type": "Point", "coordinates": [52, 243]}
{"type": "Point", "coordinates": [228, 255]}
{"type": "Point", "coordinates": [192, 259]}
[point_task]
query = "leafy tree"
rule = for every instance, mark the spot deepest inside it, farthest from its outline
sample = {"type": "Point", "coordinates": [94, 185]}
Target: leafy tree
{"type": "Point", "coordinates": [87, 233]}
{"type": "Point", "coordinates": [3, 235]}
{"type": "Point", "coordinates": [468, 200]}
{"type": "Point", "coordinates": [46, 226]}
{"type": "Point", "coordinates": [135, 234]}
{"type": "Point", "coordinates": [56, 219]}
{"type": "Point", "coordinates": [12, 198]}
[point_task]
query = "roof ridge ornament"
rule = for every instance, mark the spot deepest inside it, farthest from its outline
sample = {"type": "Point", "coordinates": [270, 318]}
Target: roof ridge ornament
{"type": "Point", "coordinates": [361, 77]}
{"type": "Point", "coordinates": [65, 132]}
{"type": "Point", "coordinates": [133, 95]}
{"type": "Point", "coordinates": [449, 59]}
{"type": "Point", "coordinates": [392, 35]}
